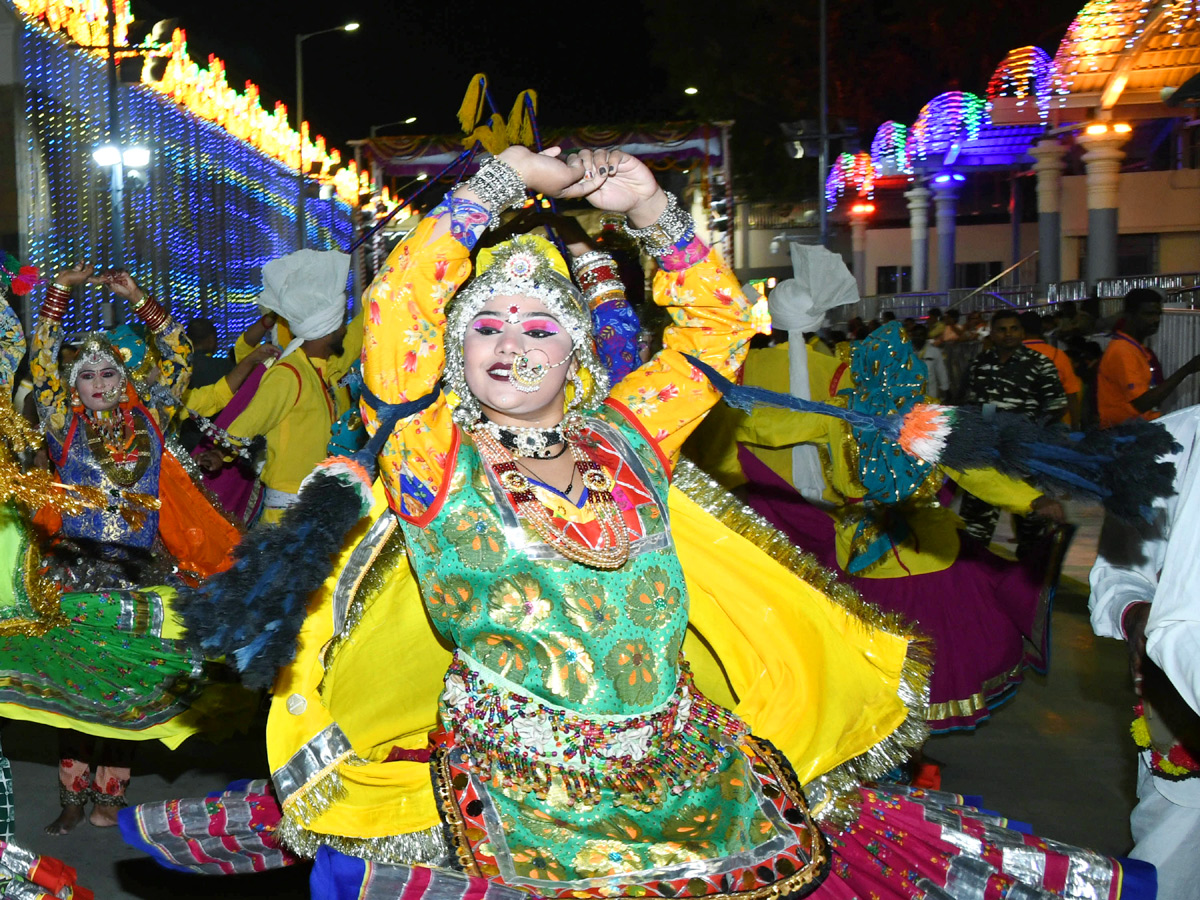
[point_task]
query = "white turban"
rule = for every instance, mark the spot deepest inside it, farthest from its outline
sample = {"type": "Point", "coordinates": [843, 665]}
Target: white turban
{"type": "Point", "coordinates": [308, 288]}
{"type": "Point", "coordinates": [797, 305]}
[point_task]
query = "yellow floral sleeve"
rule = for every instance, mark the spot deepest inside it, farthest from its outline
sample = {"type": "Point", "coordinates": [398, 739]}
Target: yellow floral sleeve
{"type": "Point", "coordinates": [710, 320]}
{"type": "Point", "coordinates": [12, 346]}
{"type": "Point", "coordinates": [174, 367]}
{"type": "Point", "coordinates": [403, 357]}
{"type": "Point", "coordinates": [50, 393]}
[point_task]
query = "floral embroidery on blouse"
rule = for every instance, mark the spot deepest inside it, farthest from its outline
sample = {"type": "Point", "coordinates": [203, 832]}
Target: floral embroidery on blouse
{"type": "Point", "coordinates": [685, 254]}
{"type": "Point", "coordinates": [12, 346]}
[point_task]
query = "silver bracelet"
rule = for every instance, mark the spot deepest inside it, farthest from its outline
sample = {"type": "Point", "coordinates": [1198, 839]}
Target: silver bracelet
{"type": "Point", "coordinates": [499, 186]}
{"type": "Point", "coordinates": [672, 226]}
{"type": "Point", "coordinates": [592, 258]}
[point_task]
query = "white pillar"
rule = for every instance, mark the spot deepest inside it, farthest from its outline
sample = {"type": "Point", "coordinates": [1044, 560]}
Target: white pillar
{"type": "Point", "coordinates": [945, 199]}
{"type": "Point", "coordinates": [858, 243]}
{"type": "Point", "coordinates": [918, 225]}
{"type": "Point", "coordinates": [1049, 165]}
{"type": "Point", "coordinates": [1102, 158]}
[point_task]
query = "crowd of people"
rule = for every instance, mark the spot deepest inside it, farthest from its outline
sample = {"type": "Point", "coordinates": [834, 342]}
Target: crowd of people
{"type": "Point", "coordinates": [537, 611]}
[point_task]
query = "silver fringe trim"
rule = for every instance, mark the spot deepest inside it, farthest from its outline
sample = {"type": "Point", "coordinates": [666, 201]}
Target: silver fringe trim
{"type": "Point", "coordinates": [428, 847]}
{"type": "Point", "coordinates": [833, 797]}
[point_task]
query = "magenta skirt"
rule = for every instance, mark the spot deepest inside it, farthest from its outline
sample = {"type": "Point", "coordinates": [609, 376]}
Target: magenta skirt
{"type": "Point", "coordinates": [988, 617]}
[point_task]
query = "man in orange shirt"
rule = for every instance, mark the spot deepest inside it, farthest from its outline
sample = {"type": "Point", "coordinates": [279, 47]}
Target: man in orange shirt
{"type": "Point", "coordinates": [1130, 381]}
{"type": "Point", "coordinates": [1072, 386]}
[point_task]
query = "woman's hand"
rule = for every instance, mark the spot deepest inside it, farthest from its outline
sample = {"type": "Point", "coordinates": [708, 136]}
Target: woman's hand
{"type": "Point", "coordinates": [617, 182]}
{"type": "Point", "coordinates": [211, 460]}
{"type": "Point", "coordinates": [543, 173]}
{"type": "Point", "coordinates": [122, 284]}
{"type": "Point", "coordinates": [611, 180]}
{"type": "Point", "coordinates": [263, 353]}
{"type": "Point", "coordinates": [80, 273]}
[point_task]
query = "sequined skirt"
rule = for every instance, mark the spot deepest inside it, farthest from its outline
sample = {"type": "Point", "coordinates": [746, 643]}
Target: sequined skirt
{"type": "Point", "coordinates": [679, 800]}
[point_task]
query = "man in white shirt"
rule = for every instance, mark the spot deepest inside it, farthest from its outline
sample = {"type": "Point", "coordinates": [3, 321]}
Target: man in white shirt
{"type": "Point", "coordinates": [1144, 590]}
{"type": "Point", "coordinates": [934, 359]}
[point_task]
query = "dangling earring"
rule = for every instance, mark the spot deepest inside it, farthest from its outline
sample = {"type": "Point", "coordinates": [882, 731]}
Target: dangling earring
{"type": "Point", "coordinates": [578, 390]}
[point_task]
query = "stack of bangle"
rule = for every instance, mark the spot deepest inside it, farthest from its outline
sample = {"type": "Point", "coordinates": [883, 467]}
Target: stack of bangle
{"type": "Point", "coordinates": [674, 225]}
{"type": "Point", "coordinates": [151, 312]}
{"type": "Point", "coordinates": [57, 299]}
{"type": "Point", "coordinates": [596, 272]}
{"type": "Point", "coordinates": [499, 186]}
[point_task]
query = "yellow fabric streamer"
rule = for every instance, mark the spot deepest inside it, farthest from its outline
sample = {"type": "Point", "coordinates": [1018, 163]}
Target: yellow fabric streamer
{"type": "Point", "coordinates": [471, 110]}
{"type": "Point", "coordinates": [520, 120]}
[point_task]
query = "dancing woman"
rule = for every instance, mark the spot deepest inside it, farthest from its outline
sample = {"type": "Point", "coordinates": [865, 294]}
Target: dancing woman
{"type": "Point", "coordinates": [105, 430]}
{"type": "Point", "coordinates": [575, 751]}
{"type": "Point", "coordinates": [107, 662]}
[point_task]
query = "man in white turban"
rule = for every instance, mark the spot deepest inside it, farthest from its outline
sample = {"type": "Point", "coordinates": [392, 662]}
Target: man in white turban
{"type": "Point", "coordinates": [297, 400]}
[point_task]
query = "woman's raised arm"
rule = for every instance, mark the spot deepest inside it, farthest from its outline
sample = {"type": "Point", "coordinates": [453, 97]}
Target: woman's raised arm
{"type": "Point", "coordinates": [403, 351]}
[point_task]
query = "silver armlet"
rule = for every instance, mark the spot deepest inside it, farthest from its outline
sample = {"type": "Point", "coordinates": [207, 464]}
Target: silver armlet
{"type": "Point", "coordinates": [499, 186]}
{"type": "Point", "coordinates": [672, 226]}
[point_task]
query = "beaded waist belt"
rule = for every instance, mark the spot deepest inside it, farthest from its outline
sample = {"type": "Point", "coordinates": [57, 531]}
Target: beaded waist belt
{"type": "Point", "coordinates": [530, 744]}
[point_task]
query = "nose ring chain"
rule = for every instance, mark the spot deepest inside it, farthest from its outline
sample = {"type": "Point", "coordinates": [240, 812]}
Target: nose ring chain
{"type": "Point", "coordinates": [527, 376]}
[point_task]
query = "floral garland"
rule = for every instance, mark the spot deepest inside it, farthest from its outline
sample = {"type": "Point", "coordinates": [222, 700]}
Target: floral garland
{"type": "Point", "coordinates": [221, 437]}
{"type": "Point", "coordinates": [1176, 764]}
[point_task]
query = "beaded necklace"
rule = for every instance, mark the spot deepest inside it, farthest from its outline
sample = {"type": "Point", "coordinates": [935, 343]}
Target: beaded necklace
{"type": "Point", "coordinates": [106, 432]}
{"type": "Point", "coordinates": [613, 551]}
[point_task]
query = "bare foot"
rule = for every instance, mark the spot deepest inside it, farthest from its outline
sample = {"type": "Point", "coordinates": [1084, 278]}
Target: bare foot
{"type": "Point", "coordinates": [104, 816]}
{"type": "Point", "coordinates": [66, 821]}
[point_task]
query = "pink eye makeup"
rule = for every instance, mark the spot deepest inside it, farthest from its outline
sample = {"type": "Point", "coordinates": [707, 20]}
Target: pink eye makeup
{"type": "Point", "coordinates": [549, 326]}
{"type": "Point", "coordinates": [488, 323]}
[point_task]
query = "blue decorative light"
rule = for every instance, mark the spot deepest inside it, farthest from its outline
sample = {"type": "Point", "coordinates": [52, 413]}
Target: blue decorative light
{"type": "Point", "coordinates": [949, 118]}
{"type": "Point", "coordinates": [212, 210]}
{"type": "Point", "coordinates": [889, 149]}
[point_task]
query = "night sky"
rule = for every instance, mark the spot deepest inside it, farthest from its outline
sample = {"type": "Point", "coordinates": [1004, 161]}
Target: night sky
{"type": "Point", "coordinates": [616, 62]}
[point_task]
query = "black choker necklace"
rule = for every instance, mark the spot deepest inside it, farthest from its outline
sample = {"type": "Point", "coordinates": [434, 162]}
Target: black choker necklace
{"type": "Point", "coordinates": [531, 443]}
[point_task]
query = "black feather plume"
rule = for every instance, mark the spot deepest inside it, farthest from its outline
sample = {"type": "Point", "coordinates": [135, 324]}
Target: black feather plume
{"type": "Point", "coordinates": [1119, 466]}
{"type": "Point", "coordinates": [252, 612]}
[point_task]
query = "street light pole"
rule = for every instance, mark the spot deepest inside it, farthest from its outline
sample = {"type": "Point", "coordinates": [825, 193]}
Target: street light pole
{"type": "Point", "coordinates": [824, 163]}
{"type": "Point", "coordinates": [301, 231]}
{"type": "Point", "coordinates": [116, 174]}
{"type": "Point", "coordinates": [408, 121]}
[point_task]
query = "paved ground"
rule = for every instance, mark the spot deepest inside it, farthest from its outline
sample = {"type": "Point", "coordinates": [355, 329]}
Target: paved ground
{"type": "Point", "coordinates": [1057, 756]}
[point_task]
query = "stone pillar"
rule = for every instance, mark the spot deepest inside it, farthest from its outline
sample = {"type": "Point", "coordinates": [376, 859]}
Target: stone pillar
{"type": "Point", "coordinates": [1102, 157]}
{"type": "Point", "coordinates": [1049, 167]}
{"type": "Point", "coordinates": [918, 225]}
{"type": "Point", "coordinates": [945, 200]}
{"type": "Point", "coordinates": [858, 242]}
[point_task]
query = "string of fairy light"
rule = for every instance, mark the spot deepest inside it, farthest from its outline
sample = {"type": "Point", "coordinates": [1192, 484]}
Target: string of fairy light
{"type": "Point", "coordinates": [209, 211]}
{"type": "Point", "coordinates": [202, 90]}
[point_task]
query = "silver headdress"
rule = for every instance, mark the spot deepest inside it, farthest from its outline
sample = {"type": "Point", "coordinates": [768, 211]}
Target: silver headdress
{"type": "Point", "coordinates": [526, 266]}
{"type": "Point", "coordinates": [97, 350]}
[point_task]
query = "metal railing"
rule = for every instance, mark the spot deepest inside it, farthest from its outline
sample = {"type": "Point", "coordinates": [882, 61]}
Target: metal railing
{"type": "Point", "coordinates": [1182, 290]}
{"type": "Point", "coordinates": [771, 216]}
